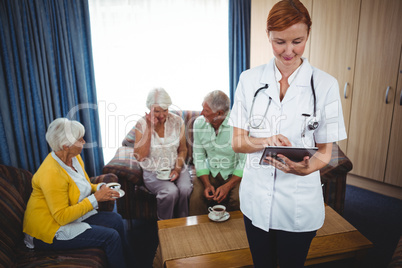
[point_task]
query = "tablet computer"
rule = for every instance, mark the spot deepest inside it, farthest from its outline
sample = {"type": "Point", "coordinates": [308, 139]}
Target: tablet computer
{"type": "Point", "coordinates": [296, 154]}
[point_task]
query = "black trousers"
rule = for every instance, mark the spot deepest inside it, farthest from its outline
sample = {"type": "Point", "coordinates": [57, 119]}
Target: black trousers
{"type": "Point", "coordinates": [268, 249]}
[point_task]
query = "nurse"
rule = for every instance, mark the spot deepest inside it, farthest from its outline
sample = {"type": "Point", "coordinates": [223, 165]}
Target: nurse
{"type": "Point", "coordinates": [297, 105]}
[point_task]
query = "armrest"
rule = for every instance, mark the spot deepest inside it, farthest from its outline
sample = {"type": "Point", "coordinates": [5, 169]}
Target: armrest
{"type": "Point", "coordinates": [339, 162]}
{"type": "Point", "coordinates": [106, 178]}
{"type": "Point", "coordinates": [125, 166]}
{"type": "Point", "coordinates": [333, 178]}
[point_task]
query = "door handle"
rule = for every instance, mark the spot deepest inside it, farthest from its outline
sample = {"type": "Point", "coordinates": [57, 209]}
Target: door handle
{"type": "Point", "coordinates": [400, 99]}
{"type": "Point", "coordinates": [386, 94]}
{"type": "Point", "coordinates": [345, 89]}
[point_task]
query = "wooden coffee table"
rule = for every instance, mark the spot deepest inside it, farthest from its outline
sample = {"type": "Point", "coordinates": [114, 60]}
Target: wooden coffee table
{"type": "Point", "coordinates": [345, 242]}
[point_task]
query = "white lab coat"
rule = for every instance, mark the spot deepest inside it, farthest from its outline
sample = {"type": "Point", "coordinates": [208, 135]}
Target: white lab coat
{"type": "Point", "coordinates": [270, 198]}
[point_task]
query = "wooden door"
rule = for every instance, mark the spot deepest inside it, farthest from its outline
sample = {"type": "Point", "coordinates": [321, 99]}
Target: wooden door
{"type": "Point", "coordinates": [333, 46]}
{"type": "Point", "coordinates": [260, 48]}
{"type": "Point", "coordinates": [377, 62]}
{"type": "Point", "coordinates": [393, 172]}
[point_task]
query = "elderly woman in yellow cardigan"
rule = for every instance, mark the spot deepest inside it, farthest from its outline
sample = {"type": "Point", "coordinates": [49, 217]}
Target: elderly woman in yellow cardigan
{"type": "Point", "coordinates": [61, 211]}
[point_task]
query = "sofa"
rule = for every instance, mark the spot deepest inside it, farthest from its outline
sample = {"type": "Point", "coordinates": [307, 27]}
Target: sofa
{"type": "Point", "coordinates": [141, 204]}
{"type": "Point", "coordinates": [15, 189]}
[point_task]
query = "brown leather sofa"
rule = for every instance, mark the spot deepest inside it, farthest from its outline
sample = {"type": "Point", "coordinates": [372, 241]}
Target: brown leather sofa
{"type": "Point", "coordinates": [139, 203]}
{"type": "Point", "coordinates": [15, 189]}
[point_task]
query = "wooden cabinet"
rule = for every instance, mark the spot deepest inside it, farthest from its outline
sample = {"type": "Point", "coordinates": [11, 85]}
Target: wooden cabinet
{"type": "Point", "coordinates": [393, 172]}
{"type": "Point", "coordinates": [333, 46]}
{"type": "Point", "coordinates": [377, 65]}
{"type": "Point", "coordinates": [359, 43]}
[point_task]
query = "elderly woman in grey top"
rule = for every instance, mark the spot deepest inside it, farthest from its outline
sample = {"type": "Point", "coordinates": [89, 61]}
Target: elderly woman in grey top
{"type": "Point", "coordinates": [160, 143]}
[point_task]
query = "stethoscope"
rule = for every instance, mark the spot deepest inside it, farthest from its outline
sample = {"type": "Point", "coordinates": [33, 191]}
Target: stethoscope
{"type": "Point", "coordinates": [311, 125]}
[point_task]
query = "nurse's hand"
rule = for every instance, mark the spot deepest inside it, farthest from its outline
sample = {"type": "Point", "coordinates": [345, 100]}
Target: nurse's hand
{"type": "Point", "coordinates": [288, 166]}
{"type": "Point", "coordinates": [278, 140]}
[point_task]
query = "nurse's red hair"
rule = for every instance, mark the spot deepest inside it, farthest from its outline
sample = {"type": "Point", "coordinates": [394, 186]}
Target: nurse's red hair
{"type": "Point", "coordinates": [286, 13]}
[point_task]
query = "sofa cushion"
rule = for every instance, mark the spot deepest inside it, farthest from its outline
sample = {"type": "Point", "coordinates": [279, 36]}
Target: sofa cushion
{"type": "Point", "coordinates": [129, 140]}
{"type": "Point", "coordinates": [189, 118]}
{"type": "Point", "coordinates": [86, 257]}
{"type": "Point", "coordinates": [15, 189]}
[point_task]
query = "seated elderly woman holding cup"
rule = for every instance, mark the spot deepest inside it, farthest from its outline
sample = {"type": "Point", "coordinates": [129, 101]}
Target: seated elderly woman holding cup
{"type": "Point", "coordinates": [61, 211]}
{"type": "Point", "coordinates": [160, 147]}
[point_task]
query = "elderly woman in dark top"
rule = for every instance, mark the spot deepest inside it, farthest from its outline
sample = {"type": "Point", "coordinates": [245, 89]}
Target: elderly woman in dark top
{"type": "Point", "coordinates": [61, 211]}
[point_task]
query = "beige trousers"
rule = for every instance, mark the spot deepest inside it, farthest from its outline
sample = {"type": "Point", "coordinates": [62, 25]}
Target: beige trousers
{"type": "Point", "coordinates": [199, 204]}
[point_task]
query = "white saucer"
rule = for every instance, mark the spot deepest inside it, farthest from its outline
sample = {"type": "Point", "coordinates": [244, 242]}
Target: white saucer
{"type": "Point", "coordinates": [121, 192]}
{"type": "Point", "coordinates": [225, 217]}
{"type": "Point", "coordinates": [163, 179]}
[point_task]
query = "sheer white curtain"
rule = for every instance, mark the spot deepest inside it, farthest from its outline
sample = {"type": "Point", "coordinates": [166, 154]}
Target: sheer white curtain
{"type": "Point", "coordinates": [180, 45]}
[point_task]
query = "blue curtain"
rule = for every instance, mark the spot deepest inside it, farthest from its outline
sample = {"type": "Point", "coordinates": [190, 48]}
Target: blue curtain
{"type": "Point", "coordinates": [239, 41]}
{"type": "Point", "coordinates": [46, 72]}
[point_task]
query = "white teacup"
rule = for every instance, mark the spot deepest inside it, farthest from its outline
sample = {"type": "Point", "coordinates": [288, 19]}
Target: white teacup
{"type": "Point", "coordinates": [114, 185]}
{"type": "Point", "coordinates": [163, 173]}
{"type": "Point", "coordinates": [217, 211]}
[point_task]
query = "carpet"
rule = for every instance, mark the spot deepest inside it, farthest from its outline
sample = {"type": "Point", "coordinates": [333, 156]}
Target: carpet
{"type": "Point", "coordinates": [379, 219]}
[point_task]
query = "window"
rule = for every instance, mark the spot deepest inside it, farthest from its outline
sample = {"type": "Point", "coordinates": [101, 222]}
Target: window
{"type": "Point", "coordinates": [179, 45]}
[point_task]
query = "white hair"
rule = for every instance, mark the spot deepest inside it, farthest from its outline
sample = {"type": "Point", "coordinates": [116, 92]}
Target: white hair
{"type": "Point", "coordinates": [217, 100]}
{"type": "Point", "coordinates": [63, 131]}
{"type": "Point", "coordinates": [158, 96]}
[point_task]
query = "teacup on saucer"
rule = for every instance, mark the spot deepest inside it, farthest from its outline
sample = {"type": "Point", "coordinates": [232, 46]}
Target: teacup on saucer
{"type": "Point", "coordinates": [163, 174]}
{"type": "Point", "coordinates": [225, 217]}
{"type": "Point", "coordinates": [114, 186]}
{"type": "Point", "coordinates": [218, 211]}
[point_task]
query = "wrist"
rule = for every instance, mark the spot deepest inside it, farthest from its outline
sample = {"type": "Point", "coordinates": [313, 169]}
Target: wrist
{"type": "Point", "coordinates": [205, 181]}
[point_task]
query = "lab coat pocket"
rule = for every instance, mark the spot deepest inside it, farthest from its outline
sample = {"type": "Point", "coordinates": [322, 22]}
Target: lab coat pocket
{"type": "Point", "coordinates": [309, 213]}
{"type": "Point", "coordinates": [309, 189]}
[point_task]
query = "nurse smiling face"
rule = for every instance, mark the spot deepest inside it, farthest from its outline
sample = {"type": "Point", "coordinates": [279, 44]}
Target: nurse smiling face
{"type": "Point", "coordinates": [288, 46]}
{"type": "Point", "coordinates": [288, 28]}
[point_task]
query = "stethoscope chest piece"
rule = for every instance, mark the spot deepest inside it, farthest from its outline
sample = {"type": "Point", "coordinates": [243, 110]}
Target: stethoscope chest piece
{"type": "Point", "coordinates": [313, 124]}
